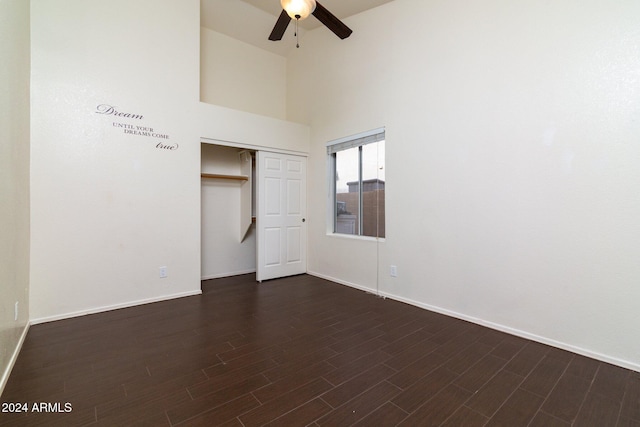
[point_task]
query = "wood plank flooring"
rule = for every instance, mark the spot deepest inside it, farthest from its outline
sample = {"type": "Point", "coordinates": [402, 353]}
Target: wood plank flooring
{"type": "Point", "coordinates": [302, 351]}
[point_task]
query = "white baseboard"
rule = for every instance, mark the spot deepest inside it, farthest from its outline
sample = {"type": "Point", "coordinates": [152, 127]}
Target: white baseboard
{"type": "Point", "coordinates": [113, 307]}
{"type": "Point", "coordinates": [221, 275]}
{"type": "Point", "coordinates": [14, 357]}
{"type": "Point", "coordinates": [502, 328]}
{"type": "Point", "coordinates": [342, 282]}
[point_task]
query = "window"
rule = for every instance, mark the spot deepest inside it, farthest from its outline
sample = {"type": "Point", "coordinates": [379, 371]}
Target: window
{"type": "Point", "coordinates": [357, 164]}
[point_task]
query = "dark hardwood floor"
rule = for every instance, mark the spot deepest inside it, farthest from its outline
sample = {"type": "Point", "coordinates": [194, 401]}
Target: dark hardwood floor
{"type": "Point", "coordinates": [302, 351]}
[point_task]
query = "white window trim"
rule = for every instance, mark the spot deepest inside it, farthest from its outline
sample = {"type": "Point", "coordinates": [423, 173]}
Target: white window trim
{"type": "Point", "coordinates": [362, 138]}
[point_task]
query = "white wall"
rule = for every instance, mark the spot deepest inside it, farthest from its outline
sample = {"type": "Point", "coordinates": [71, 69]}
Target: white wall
{"type": "Point", "coordinates": [14, 179]}
{"type": "Point", "coordinates": [237, 75]}
{"type": "Point", "coordinates": [110, 208]}
{"type": "Point", "coordinates": [224, 251]}
{"type": "Point", "coordinates": [513, 183]}
{"type": "Point", "coordinates": [225, 126]}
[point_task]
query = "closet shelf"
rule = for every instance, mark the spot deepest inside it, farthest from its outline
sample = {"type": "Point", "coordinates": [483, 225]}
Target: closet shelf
{"type": "Point", "coordinates": [219, 176]}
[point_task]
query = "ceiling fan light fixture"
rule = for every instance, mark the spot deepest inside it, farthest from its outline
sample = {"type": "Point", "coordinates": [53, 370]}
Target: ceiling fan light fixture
{"type": "Point", "coordinates": [298, 9]}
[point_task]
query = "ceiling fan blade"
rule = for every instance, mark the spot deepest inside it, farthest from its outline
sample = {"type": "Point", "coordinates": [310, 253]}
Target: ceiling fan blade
{"type": "Point", "coordinates": [281, 26]}
{"type": "Point", "coordinates": [331, 22]}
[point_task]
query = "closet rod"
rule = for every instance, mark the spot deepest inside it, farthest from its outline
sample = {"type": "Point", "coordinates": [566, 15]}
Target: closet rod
{"type": "Point", "coordinates": [218, 176]}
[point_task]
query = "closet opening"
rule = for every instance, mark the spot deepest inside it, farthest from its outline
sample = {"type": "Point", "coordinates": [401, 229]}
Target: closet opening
{"type": "Point", "coordinates": [227, 203]}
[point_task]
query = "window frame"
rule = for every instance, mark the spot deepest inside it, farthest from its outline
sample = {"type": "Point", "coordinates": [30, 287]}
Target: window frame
{"type": "Point", "coordinates": [333, 147]}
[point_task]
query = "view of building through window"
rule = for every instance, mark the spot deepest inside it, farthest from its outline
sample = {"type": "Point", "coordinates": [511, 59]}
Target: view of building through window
{"type": "Point", "coordinates": [359, 189]}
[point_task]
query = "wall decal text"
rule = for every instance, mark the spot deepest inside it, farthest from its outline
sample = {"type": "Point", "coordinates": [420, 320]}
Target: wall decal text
{"type": "Point", "coordinates": [137, 130]}
{"type": "Point", "coordinates": [110, 110]}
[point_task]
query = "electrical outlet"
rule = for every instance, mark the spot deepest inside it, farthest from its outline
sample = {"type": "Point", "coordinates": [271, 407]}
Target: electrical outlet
{"type": "Point", "coordinates": [394, 271]}
{"type": "Point", "coordinates": [163, 272]}
{"type": "Point", "coordinates": [15, 311]}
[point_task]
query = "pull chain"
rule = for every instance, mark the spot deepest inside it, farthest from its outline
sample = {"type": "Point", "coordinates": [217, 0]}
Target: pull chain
{"type": "Point", "coordinates": [296, 34]}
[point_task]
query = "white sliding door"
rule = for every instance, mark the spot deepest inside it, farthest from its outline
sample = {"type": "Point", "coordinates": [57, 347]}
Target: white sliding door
{"type": "Point", "coordinates": [281, 212]}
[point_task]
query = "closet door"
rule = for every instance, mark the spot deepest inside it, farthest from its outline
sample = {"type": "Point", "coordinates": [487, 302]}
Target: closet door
{"type": "Point", "coordinates": [281, 211]}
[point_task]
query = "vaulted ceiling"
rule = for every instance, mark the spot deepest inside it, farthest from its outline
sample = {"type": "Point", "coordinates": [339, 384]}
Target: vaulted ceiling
{"type": "Point", "coordinates": [251, 21]}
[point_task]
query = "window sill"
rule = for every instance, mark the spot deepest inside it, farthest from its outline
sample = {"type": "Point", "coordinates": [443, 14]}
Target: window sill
{"type": "Point", "coordinates": [353, 237]}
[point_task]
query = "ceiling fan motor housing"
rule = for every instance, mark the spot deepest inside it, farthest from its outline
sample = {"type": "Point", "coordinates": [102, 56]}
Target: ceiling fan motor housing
{"type": "Point", "coordinates": [298, 9]}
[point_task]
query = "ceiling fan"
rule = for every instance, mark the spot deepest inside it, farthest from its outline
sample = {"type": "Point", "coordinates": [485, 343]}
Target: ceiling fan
{"type": "Point", "coordinates": [301, 9]}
